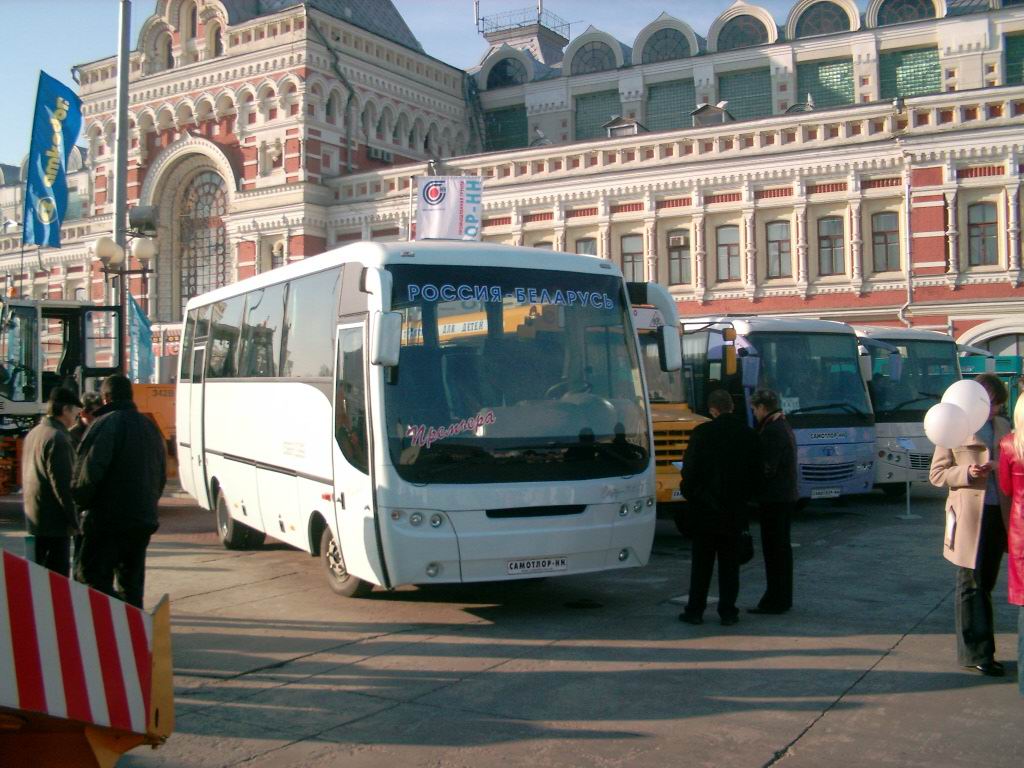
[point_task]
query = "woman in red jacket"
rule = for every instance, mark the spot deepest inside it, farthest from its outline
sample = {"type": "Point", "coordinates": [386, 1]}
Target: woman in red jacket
{"type": "Point", "coordinates": [1011, 480]}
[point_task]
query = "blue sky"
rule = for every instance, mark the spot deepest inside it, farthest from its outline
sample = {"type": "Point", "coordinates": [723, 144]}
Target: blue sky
{"type": "Point", "coordinates": [88, 31]}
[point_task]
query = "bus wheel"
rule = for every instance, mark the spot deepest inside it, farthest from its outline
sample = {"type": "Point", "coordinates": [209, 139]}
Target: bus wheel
{"type": "Point", "coordinates": [233, 534]}
{"type": "Point", "coordinates": [339, 579]}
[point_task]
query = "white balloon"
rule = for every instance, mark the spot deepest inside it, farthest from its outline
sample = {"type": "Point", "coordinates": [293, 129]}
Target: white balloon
{"type": "Point", "coordinates": [973, 401]}
{"type": "Point", "coordinates": [945, 424]}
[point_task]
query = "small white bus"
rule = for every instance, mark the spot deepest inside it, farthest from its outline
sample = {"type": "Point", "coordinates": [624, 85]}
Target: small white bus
{"type": "Point", "coordinates": [910, 369]}
{"type": "Point", "coordinates": [425, 412]}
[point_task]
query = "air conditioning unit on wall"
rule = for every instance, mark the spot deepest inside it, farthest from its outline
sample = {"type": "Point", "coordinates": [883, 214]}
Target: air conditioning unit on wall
{"type": "Point", "coordinates": [380, 155]}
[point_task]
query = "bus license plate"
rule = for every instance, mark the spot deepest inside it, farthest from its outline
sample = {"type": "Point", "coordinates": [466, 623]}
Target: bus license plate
{"type": "Point", "coordinates": [536, 565]}
{"type": "Point", "coordinates": [824, 493]}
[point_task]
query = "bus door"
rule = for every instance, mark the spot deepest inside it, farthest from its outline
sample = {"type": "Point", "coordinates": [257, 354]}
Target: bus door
{"type": "Point", "coordinates": [195, 428]}
{"type": "Point", "coordinates": [354, 501]}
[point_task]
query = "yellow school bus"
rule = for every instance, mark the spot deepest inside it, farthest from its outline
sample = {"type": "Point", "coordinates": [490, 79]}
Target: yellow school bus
{"type": "Point", "coordinates": [670, 413]}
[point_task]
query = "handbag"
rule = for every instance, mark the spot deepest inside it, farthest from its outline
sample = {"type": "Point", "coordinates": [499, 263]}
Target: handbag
{"type": "Point", "coordinates": [745, 550]}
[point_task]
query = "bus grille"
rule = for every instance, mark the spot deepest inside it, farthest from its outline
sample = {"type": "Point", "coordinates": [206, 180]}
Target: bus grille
{"type": "Point", "coordinates": [826, 473]}
{"type": "Point", "coordinates": [670, 445]}
{"type": "Point", "coordinates": [920, 460]}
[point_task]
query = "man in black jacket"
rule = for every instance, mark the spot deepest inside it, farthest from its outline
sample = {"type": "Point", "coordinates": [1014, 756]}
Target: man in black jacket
{"type": "Point", "coordinates": [46, 466]}
{"type": "Point", "coordinates": [721, 471]}
{"type": "Point", "coordinates": [120, 475]}
{"type": "Point", "coordinates": [779, 494]}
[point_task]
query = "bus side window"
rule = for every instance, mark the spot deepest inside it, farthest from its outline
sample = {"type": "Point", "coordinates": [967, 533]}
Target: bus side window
{"type": "Point", "coordinates": [350, 400]}
{"type": "Point", "coordinates": [312, 306]}
{"type": "Point", "coordinates": [261, 332]}
{"type": "Point", "coordinates": [187, 343]}
{"type": "Point", "coordinates": [225, 326]}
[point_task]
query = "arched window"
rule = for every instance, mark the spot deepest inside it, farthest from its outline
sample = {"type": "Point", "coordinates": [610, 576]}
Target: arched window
{"type": "Point", "coordinates": [822, 19]}
{"type": "Point", "coordinates": [214, 40]}
{"type": "Point", "coordinates": [742, 32]}
{"type": "Point", "coordinates": [164, 52]}
{"type": "Point", "coordinates": [899, 11]}
{"type": "Point", "coordinates": [505, 73]}
{"type": "Point", "coordinates": [666, 45]}
{"type": "Point", "coordinates": [189, 20]}
{"type": "Point", "coordinates": [332, 108]}
{"type": "Point", "coordinates": [203, 237]}
{"type": "Point", "coordinates": [982, 241]}
{"type": "Point", "coordinates": [594, 56]}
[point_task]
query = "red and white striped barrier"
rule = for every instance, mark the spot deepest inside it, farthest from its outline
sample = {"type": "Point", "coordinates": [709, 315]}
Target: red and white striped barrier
{"type": "Point", "coordinates": [70, 653]}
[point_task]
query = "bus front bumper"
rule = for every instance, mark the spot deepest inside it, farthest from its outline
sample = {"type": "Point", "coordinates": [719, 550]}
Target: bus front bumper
{"type": "Point", "coordinates": [470, 546]}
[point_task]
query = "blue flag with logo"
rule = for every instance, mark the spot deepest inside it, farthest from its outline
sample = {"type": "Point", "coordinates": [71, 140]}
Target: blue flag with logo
{"type": "Point", "coordinates": [140, 344]}
{"type": "Point", "coordinates": [55, 127]}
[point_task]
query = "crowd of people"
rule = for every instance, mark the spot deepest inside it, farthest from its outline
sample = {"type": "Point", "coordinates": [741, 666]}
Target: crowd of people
{"type": "Point", "coordinates": [92, 474]}
{"type": "Point", "coordinates": [730, 468]}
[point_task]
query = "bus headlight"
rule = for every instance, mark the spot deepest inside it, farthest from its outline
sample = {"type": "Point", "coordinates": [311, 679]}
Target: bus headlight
{"type": "Point", "coordinates": [638, 506]}
{"type": "Point", "coordinates": [624, 510]}
{"type": "Point", "coordinates": [433, 569]}
{"type": "Point", "coordinates": [396, 515]}
{"type": "Point", "coordinates": [650, 501]}
{"type": "Point", "coordinates": [865, 466]}
{"type": "Point", "coordinates": [623, 555]}
{"type": "Point", "coordinates": [436, 520]}
{"type": "Point", "coordinates": [415, 518]}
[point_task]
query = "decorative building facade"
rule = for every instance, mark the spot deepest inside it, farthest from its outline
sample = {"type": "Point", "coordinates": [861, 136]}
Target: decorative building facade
{"type": "Point", "coordinates": [859, 162]}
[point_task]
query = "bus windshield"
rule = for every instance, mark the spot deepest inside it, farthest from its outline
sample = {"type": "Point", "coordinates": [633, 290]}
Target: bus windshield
{"type": "Point", "coordinates": [817, 376]}
{"type": "Point", "coordinates": [905, 392]}
{"type": "Point", "coordinates": [512, 374]}
{"type": "Point", "coordinates": [662, 386]}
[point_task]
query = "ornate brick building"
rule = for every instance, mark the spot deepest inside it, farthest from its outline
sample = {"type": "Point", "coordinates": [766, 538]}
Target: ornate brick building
{"type": "Point", "coordinates": [856, 161]}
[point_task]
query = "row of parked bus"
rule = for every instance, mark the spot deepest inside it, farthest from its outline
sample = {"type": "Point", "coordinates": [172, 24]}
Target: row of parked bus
{"type": "Point", "coordinates": [450, 412]}
{"type": "Point", "coordinates": [855, 396]}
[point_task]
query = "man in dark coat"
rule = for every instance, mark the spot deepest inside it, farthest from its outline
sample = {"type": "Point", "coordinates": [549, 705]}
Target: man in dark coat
{"type": "Point", "coordinates": [120, 475]}
{"type": "Point", "coordinates": [779, 494]}
{"type": "Point", "coordinates": [46, 468]}
{"type": "Point", "coordinates": [721, 470]}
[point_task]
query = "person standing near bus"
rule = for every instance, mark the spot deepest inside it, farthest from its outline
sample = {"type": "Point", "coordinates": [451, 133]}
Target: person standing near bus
{"type": "Point", "coordinates": [1011, 482]}
{"type": "Point", "coordinates": [779, 494]}
{"type": "Point", "coordinates": [46, 470]}
{"type": "Point", "coordinates": [120, 475]}
{"type": "Point", "coordinates": [977, 512]}
{"type": "Point", "coordinates": [720, 471]}
{"type": "Point", "coordinates": [91, 402]}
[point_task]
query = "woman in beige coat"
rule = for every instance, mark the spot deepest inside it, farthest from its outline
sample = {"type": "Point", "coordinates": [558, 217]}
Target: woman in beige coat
{"type": "Point", "coordinates": [976, 521]}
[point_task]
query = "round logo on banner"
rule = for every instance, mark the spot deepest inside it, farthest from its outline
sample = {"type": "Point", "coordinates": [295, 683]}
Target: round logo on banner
{"type": "Point", "coordinates": [434, 192]}
{"type": "Point", "coordinates": [46, 209]}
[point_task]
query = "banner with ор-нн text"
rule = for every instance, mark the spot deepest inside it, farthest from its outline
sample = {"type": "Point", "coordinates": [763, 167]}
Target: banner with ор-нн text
{"type": "Point", "coordinates": [448, 207]}
{"type": "Point", "coordinates": [55, 127]}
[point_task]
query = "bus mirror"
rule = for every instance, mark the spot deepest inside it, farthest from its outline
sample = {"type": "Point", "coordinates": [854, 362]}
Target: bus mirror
{"type": "Point", "coordinates": [729, 354]}
{"type": "Point", "coordinates": [386, 338]}
{"type": "Point", "coordinates": [751, 370]}
{"type": "Point", "coordinates": [670, 348]}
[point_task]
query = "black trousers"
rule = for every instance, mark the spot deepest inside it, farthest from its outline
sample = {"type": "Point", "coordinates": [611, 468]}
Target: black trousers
{"type": "Point", "coordinates": [54, 552]}
{"type": "Point", "coordinates": [975, 631]}
{"type": "Point", "coordinates": [706, 548]}
{"type": "Point", "coordinates": [778, 556]}
{"type": "Point", "coordinates": [106, 556]}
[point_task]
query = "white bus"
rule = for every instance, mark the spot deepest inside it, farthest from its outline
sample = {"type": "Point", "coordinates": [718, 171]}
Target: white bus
{"type": "Point", "coordinates": [909, 373]}
{"type": "Point", "coordinates": [425, 412]}
{"type": "Point", "coordinates": [815, 368]}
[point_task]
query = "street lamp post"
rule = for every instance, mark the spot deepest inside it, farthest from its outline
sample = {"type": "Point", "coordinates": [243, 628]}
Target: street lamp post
{"type": "Point", "coordinates": [121, 175]}
{"type": "Point", "coordinates": [113, 261]}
